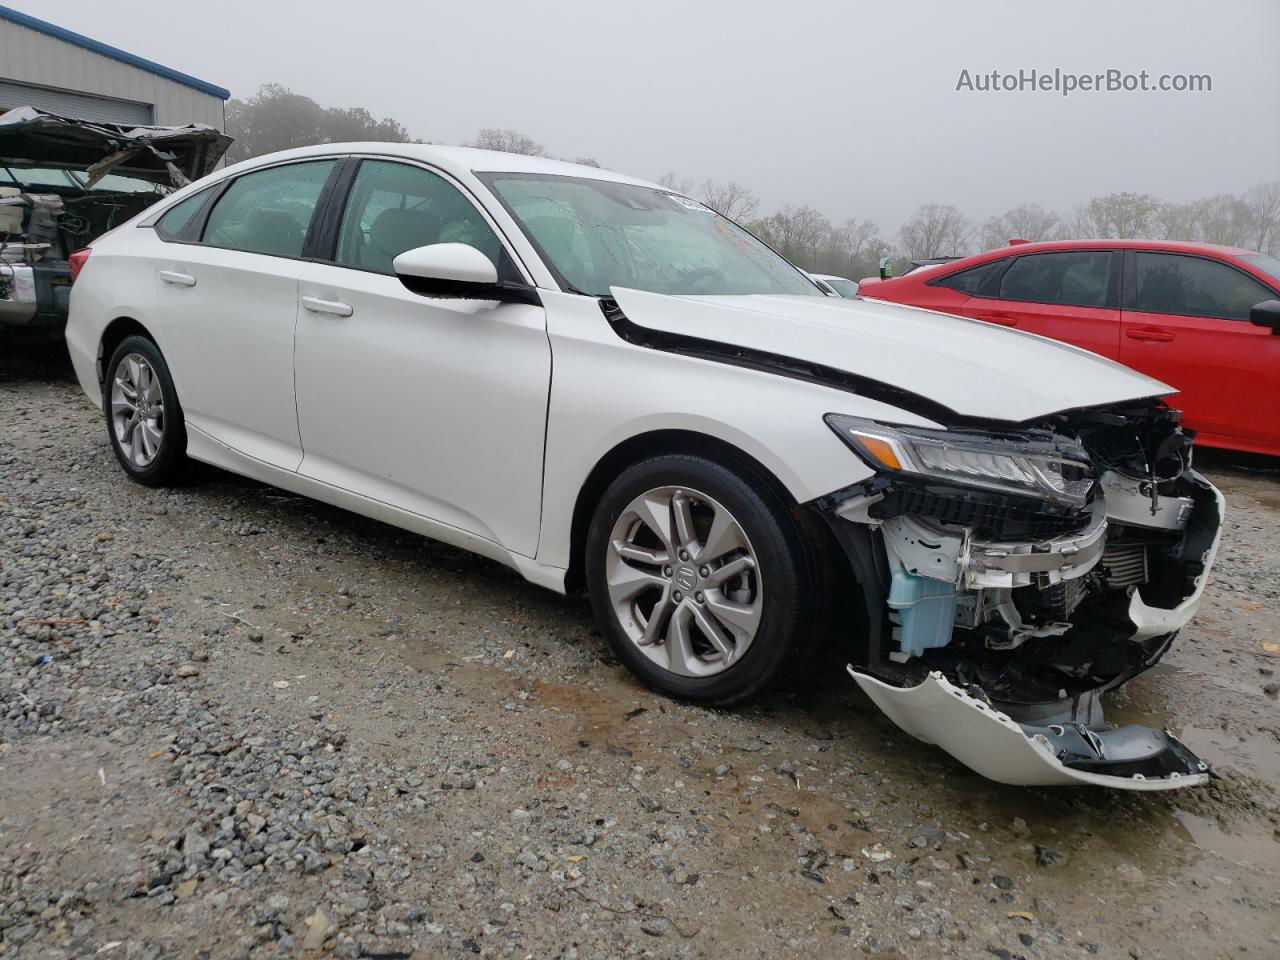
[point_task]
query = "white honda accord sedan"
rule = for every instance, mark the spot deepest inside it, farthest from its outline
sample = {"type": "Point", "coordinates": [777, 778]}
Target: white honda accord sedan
{"type": "Point", "coordinates": [603, 383]}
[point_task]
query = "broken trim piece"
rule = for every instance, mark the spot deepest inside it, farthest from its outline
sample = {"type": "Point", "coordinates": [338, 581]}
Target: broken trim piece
{"type": "Point", "coordinates": [1152, 621]}
{"type": "Point", "coordinates": [993, 744]}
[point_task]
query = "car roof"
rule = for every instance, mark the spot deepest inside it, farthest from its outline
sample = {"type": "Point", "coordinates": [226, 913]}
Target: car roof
{"type": "Point", "coordinates": [459, 161]}
{"type": "Point", "coordinates": [1178, 246]}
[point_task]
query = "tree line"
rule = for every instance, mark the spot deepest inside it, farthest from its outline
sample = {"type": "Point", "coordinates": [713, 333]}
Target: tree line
{"type": "Point", "coordinates": [276, 118]}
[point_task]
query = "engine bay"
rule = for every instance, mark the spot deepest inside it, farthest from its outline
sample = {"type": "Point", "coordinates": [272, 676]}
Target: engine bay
{"type": "Point", "coordinates": [1033, 609]}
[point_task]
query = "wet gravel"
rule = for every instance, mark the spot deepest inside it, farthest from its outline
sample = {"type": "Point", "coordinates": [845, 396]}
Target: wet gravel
{"type": "Point", "coordinates": [240, 723]}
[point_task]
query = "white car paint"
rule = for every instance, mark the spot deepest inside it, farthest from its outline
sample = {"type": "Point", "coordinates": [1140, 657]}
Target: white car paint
{"type": "Point", "coordinates": [478, 423]}
{"type": "Point", "coordinates": [1014, 376]}
{"type": "Point", "coordinates": [986, 740]}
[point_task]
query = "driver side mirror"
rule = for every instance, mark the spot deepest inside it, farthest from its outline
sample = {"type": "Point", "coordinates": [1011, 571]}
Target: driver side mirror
{"type": "Point", "coordinates": [1266, 314]}
{"type": "Point", "coordinates": [458, 271]}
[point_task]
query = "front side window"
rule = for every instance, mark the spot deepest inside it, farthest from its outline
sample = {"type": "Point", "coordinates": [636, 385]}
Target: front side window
{"type": "Point", "coordinates": [598, 234]}
{"type": "Point", "coordinates": [394, 207]}
{"type": "Point", "coordinates": [1192, 286]}
{"type": "Point", "coordinates": [268, 211]}
{"type": "Point", "coordinates": [1077, 279]}
{"type": "Point", "coordinates": [1268, 265]}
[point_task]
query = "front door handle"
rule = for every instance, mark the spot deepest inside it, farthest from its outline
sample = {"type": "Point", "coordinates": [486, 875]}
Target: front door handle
{"type": "Point", "coordinates": [1153, 334]}
{"type": "Point", "coordinates": [177, 279]}
{"type": "Point", "coordinates": [1001, 318]}
{"type": "Point", "coordinates": [334, 308]}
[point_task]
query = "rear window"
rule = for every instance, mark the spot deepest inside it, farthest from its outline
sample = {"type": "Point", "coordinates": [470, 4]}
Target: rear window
{"type": "Point", "coordinates": [973, 280]}
{"type": "Point", "coordinates": [269, 211]}
{"type": "Point", "coordinates": [177, 217]}
{"type": "Point", "coordinates": [1076, 279]}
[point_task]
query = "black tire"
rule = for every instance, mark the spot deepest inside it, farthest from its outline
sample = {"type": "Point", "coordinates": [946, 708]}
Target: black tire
{"type": "Point", "coordinates": [794, 593]}
{"type": "Point", "coordinates": [170, 462]}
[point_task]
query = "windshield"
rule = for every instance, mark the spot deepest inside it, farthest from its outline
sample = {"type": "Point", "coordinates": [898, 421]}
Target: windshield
{"type": "Point", "coordinates": [33, 177]}
{"type": "Point", "coordinates": [596, 234]}
{"type": "Point", "coordinates": [1268, 265]}
{"type": "Point", "coordinates": [846, 288]}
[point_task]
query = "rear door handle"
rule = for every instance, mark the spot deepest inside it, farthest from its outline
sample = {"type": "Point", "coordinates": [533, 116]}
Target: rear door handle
{"type": "Point", "coordinates": [334, 308]}
{"type": "Point", "coordinates": [177, 279]}
{"type": "Point", "coordinates": [1153, 334]}
{"type": "Point", "coordinates": [1003, 319]}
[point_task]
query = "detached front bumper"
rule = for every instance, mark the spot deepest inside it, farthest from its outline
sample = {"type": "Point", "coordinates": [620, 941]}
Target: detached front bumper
{"type": "Point", "coordinates": [996, 746]}
{"type": "Point", "coordinates": [952, 687]}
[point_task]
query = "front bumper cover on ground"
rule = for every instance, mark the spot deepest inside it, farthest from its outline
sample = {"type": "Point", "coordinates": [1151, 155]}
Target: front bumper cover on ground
{"type": "Point", "coordinates": [994, 745]}
{"type": "Point", "coordinates": [1044, 752]}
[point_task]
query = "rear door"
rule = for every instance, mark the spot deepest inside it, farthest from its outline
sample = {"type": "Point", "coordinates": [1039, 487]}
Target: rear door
{"type": "Point", "coordinates": [435, 406]}
{"type": "Point", "coordinates": [1069, 295]}
{"type": "Point", "coordinates": [1186, 322]}
{"type": "Point", "coordinates": [227, 295]}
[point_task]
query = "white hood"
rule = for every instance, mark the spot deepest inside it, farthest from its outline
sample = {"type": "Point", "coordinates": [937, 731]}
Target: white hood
{"type": "Point", "coordinates": [973, 368]}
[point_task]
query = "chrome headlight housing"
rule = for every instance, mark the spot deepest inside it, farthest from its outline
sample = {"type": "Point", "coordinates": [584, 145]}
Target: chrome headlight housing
{"type": "Point", "coordinates": [1054, 470]}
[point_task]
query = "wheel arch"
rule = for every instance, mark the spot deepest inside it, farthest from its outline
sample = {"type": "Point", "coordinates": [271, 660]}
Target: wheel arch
{"type": "Point", "coordinates": [113, 335]}
{"type": "Point", "coordinates": [639, 447]}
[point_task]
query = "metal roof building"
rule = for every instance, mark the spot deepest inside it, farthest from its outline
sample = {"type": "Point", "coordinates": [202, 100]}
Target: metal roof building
{"type": "Point", "coordinates": [47, 66]}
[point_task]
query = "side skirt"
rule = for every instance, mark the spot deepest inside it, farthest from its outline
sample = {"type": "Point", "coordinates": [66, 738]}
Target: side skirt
{"type": "Point", "coordinates": [202, 447]}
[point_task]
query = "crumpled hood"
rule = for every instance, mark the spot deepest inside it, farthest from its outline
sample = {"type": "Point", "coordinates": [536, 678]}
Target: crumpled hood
{"type": "Point", "coordinates": [972, 368]}
{"type": "Point", "coordinates": [173, 156]}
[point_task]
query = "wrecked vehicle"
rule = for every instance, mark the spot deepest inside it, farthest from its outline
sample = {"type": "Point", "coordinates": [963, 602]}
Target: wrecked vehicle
{"type": "Point", "coordinates": [64, 182]}
{"type": "Point", "coordinates": [602, 383]}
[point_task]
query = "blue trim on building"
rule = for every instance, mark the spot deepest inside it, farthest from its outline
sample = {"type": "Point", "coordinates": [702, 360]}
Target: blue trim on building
{"type": "Point", "coordinates": [115, 53]}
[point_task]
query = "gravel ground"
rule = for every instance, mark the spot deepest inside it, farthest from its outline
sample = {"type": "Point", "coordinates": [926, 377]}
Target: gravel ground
{"type": "Point", "coordinates": [241, 723]}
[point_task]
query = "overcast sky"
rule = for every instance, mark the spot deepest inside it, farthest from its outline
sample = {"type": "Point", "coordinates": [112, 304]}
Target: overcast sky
{"type": "Point", "coordinates": [849, 107]}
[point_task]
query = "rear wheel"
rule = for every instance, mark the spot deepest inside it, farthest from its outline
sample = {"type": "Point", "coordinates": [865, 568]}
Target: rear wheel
{"type": "Point", "coordinates": [702, 578]}
{"type": "Point", "coordinates": [144, 419]}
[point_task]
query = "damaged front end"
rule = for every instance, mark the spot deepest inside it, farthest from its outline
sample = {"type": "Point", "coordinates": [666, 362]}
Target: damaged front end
{"type": "Point", "coordinates": [1010, 577]}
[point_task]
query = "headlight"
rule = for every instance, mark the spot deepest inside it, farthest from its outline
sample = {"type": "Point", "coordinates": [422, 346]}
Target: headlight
{"type": "Point", "coordinates": [996, 462]}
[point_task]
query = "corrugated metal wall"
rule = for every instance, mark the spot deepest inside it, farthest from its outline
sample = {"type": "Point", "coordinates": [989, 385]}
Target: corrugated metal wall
{"type": "Point", "coordinates": [29, 56]}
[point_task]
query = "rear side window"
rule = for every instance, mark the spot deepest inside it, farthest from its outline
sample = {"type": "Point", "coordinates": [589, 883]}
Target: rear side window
{"type": "Point", "coordinates": [973, 280]}
{"type": "Point", "coordinates": [268, 211]}
{"type": "Point", "coordinates": [1077, 279]}
{"type": "Point", "coordinates": [395, 207]}
{"type": "Point", "coordinates": [1192, 286]}
{"type": "Point", "coordinates": [180, 215]}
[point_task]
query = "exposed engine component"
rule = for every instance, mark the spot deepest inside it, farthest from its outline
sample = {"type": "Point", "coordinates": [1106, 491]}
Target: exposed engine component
{"type": "Point", "coordinates": [1125, 565]}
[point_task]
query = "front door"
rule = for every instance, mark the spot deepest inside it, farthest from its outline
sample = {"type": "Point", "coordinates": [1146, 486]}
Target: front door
{"type": "Point", "coordinates": [1186, 322]}
{"type": "Point", "coordinates": [435, 406]}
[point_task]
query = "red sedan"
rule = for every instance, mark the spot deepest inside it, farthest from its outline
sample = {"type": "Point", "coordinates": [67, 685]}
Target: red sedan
{"type": "Point", "coordinates": [1202, 318]}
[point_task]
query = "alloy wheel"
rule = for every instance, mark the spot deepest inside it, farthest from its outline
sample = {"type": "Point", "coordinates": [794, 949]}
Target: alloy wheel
{"type": "Point", "coordinates": [137, 409]}
{"type": "Point", "coordinates": [683, 581]}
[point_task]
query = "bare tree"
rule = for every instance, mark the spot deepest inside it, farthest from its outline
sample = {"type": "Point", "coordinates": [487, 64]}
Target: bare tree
{"type": "Point", "coordinates": [1124, 215]}
{"type": "Point", "coordinates": [731, 199]}
{"type": "Point", "coordinates": [795, 232]}
{"type": "Point", "coordinates": [1175, 221]}
{"type": "Point", "coordinates": [276, 118]}
{"type": "Point", "coordinates": [675, 183]}
{"type": "Point", "coordinates": [935, 230]}
{"type": "Point", "coordinates": [508, 141]}
{"type": "Point", "coordinates": [1264, 214]}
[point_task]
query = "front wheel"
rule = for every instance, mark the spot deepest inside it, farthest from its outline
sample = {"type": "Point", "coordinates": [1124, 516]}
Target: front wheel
{"type": "Point", "coordinates": [144, 420]}
{"type": "Point", "coordinates": [701, 578]}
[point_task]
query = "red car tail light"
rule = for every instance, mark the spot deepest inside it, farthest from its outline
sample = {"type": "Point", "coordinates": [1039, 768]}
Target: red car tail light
{"type": "Point", "coordinates": [77, 260]}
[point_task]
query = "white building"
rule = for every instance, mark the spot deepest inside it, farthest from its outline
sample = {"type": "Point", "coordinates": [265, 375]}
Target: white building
{"type": "Point", "coordinates": [46, 66]}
